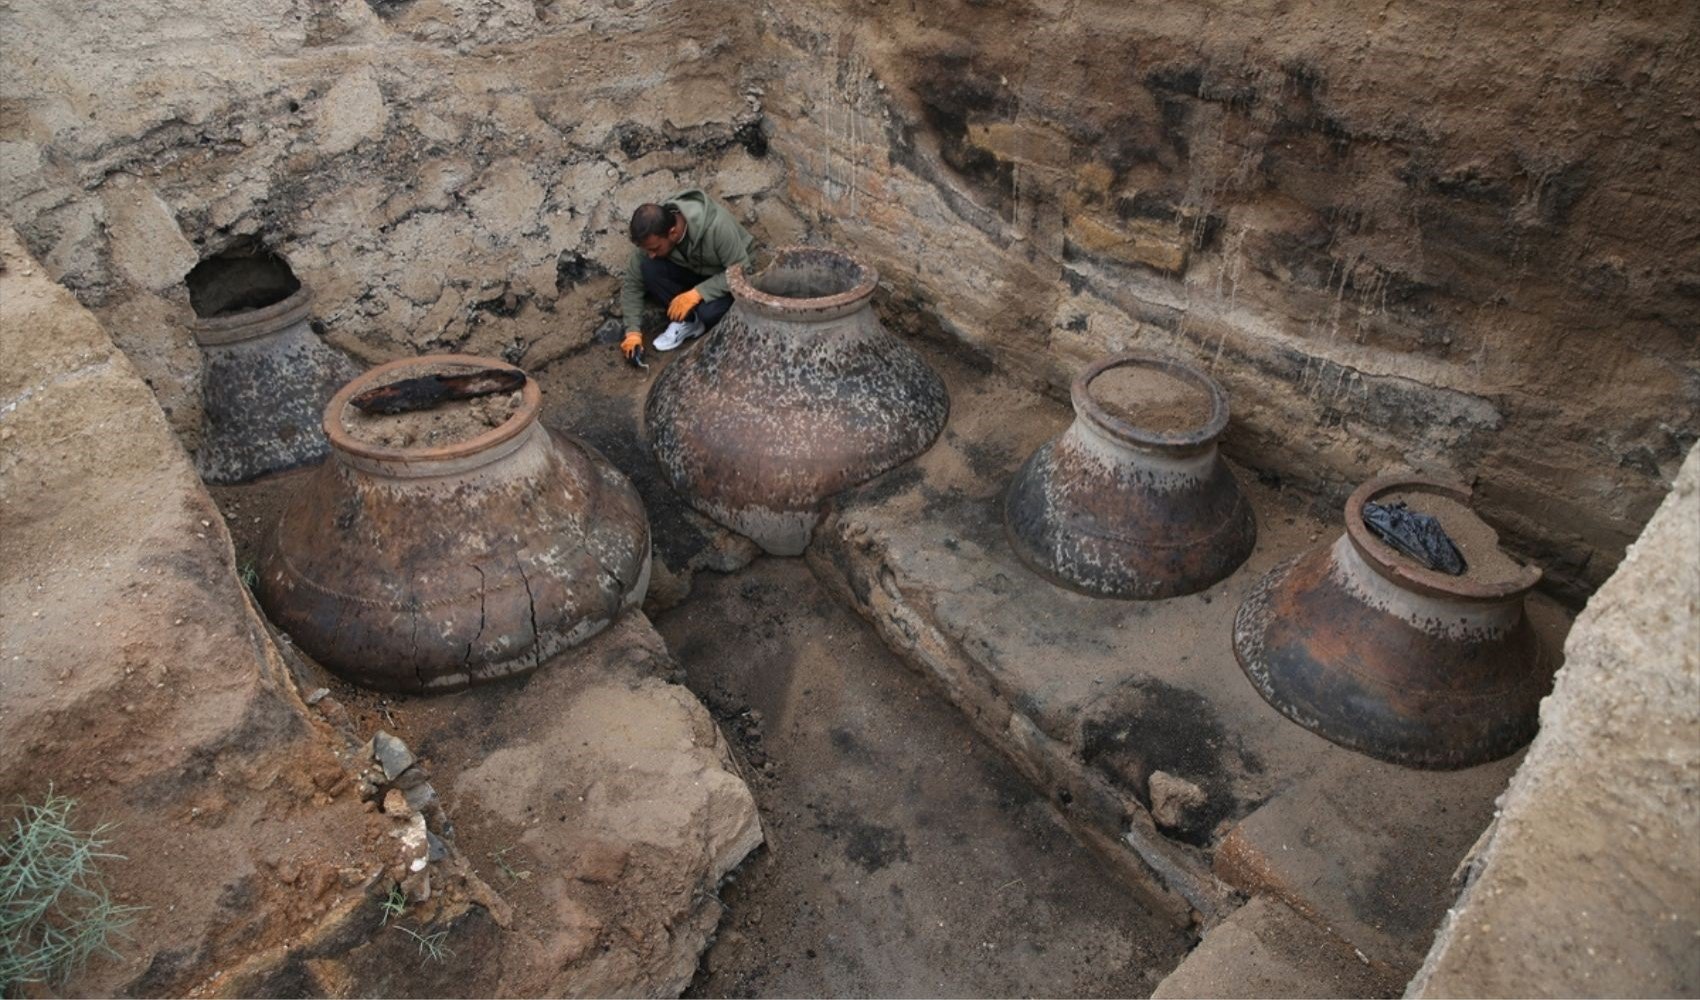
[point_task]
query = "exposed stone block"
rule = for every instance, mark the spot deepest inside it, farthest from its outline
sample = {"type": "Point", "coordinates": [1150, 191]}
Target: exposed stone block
{"type": "Point", "coordinates": [1028, 143]}
{"type": "Point", "coordinates": [1160, 246]}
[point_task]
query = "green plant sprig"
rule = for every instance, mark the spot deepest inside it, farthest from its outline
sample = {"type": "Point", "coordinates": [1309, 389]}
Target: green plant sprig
{"type": "Point", "coordinates": [56, 911]}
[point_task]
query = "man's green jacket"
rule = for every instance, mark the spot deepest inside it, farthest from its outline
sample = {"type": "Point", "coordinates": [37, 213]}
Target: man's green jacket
{"type": "Point", "coordinates": [713, 242]}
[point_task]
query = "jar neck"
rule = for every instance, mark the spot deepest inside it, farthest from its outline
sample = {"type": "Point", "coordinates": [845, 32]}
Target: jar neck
{"type": "Point", "coordinates": [254, 324]}
{"type": "Point", "coordinates": [1456, 617]}
{"type": "Point", "coordinates": [802, 315]}
{"type": "Point", "coordinates": [527, 448]}
{"type": "Point", "coordinates": [1181, 464]}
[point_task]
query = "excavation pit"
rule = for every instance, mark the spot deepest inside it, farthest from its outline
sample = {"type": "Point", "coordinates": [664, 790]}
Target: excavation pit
{"type": "Point", "coordinates": [1057, 708]}
{"type": "Point", "coordinates": [1382, 264]}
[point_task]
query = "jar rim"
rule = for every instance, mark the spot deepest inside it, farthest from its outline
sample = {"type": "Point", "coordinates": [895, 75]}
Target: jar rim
{"type": "Point", "coordinates": [1087, 406]}
{"type": "Point", "coordinates": [741, 283]}
{"type": "Point", "coordinates": [1382, 558]}
{"type": "Point", "coordinates": [531, 404]}
{"type": "Point", "coordinates": [217, 331]}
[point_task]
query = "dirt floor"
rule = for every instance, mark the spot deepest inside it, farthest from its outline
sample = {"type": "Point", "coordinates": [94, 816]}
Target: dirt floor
{"type": "Point", "coordinates": [904, 857]}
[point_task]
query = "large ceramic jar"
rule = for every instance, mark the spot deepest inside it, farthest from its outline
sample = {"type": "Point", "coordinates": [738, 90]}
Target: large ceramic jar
{"type": "Point", "coordinates": [1374, 652]}
{"type": "Point", "coordinates": [1133, 500]}
{"type": "Point", "coordinates": [265, 378]}
{"type": "Point", "coordinates": [798, 394]}
{"type": "Point", "coordinates": [428, 567]}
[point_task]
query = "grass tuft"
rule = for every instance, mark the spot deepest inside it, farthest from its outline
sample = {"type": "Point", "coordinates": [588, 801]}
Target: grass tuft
{"type": "Point", "coordinates": [395, 904]}
{"type": "Point", "coordinates": [430, 945]}
{"type": "Point", "coordinates": [56, 912]}
{"type": "Point", "coordinates": [513, 874]}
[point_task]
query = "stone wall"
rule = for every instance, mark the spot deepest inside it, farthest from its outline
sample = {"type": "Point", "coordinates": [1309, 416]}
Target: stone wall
{"type": "Point", "coordinates": [1447, 236]}
{"type": "Point", "coordinates": [1589, 882]}
{"type": "Point", "coordinates": [446, 174]}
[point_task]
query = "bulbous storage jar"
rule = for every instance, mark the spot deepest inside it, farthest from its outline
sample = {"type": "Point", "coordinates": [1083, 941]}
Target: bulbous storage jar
{"type": "Point", "coordinates": [452, 559]}
{"type": "Point", "coordinates": [265, 378]}
{"type": "Point", "coordinates": [798, 394]}
{"type": "Point", "coordinates": [1133, 501]}
{"type": "Point", "coordinates": [1377, 653]}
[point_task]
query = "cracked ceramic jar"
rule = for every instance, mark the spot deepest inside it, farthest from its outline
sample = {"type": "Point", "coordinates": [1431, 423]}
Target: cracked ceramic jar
{"type": "Point", "coordinates": [432, 566]}
{"type": "Point", "coordinates": [265, 379]}
{"type": "Point", "coordinates": [1133, 501]}
{"type": "Point", "coordinates": [798, 394]}
{"type": "Point", "coordinates": [1374, 652]}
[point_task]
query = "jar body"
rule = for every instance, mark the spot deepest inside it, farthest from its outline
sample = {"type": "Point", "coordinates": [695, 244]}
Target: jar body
{"type": "Point", "coordinates": [1110, 511]}
{"type": "Point", "coordinates": [434, 573]}
{"type": "Point", "coordinates": [265, 380]}
{"type": "Point", "coordinates": [778, 409]}
{"type": "Point", "coordinates": [1403, 669]}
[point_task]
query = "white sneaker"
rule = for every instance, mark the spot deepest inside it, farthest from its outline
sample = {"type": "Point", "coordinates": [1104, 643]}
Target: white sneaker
{"type": "Point", "coordinates": [678, 333]}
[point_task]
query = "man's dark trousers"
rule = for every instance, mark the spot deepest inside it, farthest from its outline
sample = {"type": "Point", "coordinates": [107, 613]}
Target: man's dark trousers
{"type": "Point", "coordinates": [663, 279]}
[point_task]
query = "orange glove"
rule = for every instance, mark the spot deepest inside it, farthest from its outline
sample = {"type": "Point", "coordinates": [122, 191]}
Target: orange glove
{"type": "Point", "coordinates": [633, 341]}
{"type": "Point", "coordinates": [682, 305]}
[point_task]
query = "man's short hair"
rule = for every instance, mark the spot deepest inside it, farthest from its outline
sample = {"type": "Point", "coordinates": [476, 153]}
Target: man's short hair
{"type": "Point", "coordinates": [653, 220]}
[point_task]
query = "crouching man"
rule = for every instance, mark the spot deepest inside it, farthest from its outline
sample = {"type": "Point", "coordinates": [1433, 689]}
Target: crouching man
{"type": "Point", "coordinates": [681, 250]}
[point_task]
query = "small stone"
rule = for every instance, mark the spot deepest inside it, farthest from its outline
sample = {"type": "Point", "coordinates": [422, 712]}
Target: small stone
{"type": "Point", "coordinates": [420, 796]}
{"type": "Point", "coordinates": [317, 695]}
{"type": "Point", "coordinates": [395, 803]}
{"type": "Point", "coordinates": [411, 778]}
{"type": "Point", "coordinates": [415, 843]}
{"type": "Point", "coordinates": [609, 332]}
{"type": "Point", "coordinates": [392, 754]}
{"type": "Point", "coordinates": [436, 850]}
{"type": "Point", "coordinates": [1175, 801]}
{"type": "Point", "coordinates": [417, 886]}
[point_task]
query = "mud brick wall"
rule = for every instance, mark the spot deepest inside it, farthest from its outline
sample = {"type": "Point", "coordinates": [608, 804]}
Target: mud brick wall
{"type": "Point", "coordinates": [1457, 237]}
{"type": "Point", "coordinates": [446, 174]}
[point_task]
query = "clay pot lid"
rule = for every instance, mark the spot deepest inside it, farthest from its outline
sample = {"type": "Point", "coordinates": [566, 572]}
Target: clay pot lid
{"type": "Point", "coordinates": [531, 404]}
{"type": "Point", "coordinates": [861, 277]}
{"type": "Point", "coordinates": [1386, 561]}
{"type": "Point", "coordinates": [1086, 405]}
{"type": "Point", "coordinates": [231, 328]}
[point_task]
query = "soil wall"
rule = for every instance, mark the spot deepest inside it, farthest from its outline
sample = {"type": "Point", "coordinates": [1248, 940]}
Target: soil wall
{"type": "Point", "coordinates": [1452, 236]}
{"type": "Point", "coordinates": [139, 682]}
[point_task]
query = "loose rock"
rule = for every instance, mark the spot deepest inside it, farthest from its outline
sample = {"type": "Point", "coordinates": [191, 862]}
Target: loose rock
{"type": "Point", "coordinates": [392, 754]}
{"type": "Point", "coordinates": [1175, 801]}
